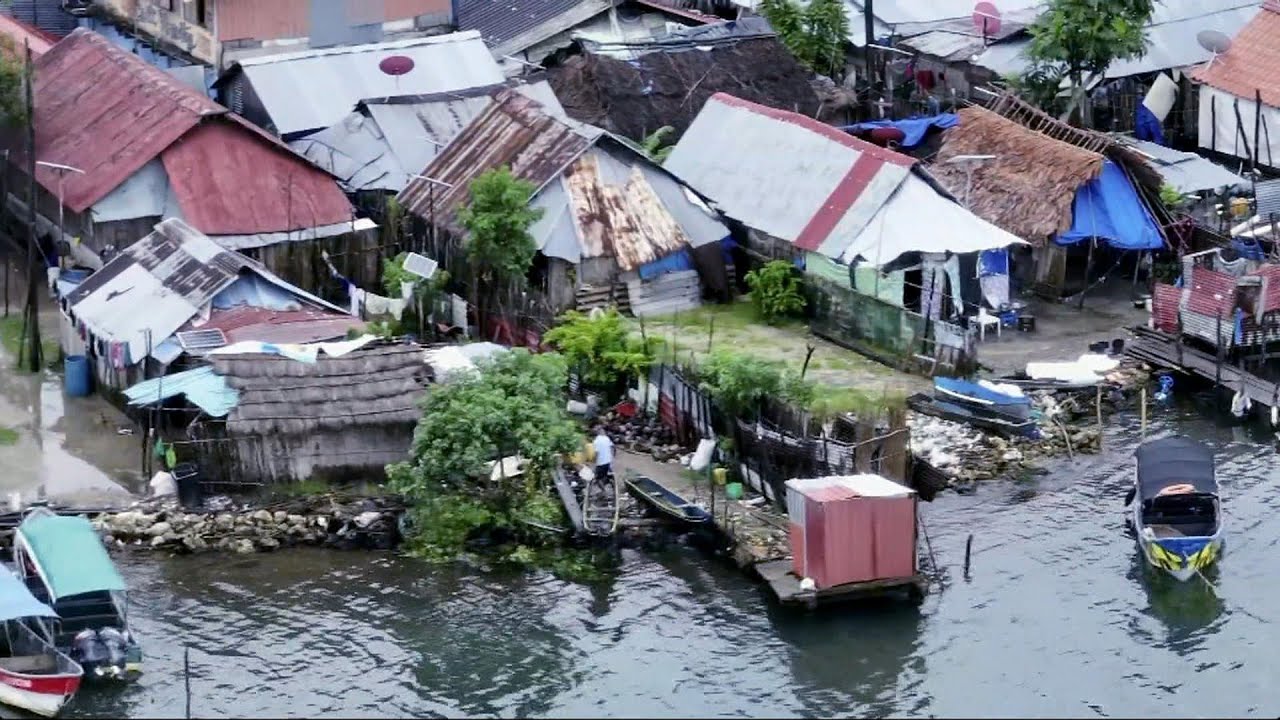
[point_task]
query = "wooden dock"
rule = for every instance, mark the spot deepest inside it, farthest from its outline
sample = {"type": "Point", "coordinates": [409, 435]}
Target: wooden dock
{"type": "Point", "coordinates": [786, 586]}
{"type": "Point", "coordinates": [1163, 350]}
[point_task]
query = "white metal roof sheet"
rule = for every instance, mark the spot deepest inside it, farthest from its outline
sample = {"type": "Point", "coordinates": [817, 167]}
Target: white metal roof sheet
{"type": "Point", "coordinates": [1187, 172]}
{"type": "Point", "coordinates": [865, 484]}
{"type": "Point", "coordinates": [315, 89]}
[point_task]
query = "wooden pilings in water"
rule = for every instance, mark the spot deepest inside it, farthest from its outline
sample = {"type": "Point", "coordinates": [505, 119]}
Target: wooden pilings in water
{"type": "Point", "coordinates": [1165, 350]}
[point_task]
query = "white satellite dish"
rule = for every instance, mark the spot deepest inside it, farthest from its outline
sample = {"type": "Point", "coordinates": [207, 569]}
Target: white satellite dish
{"type": "Point", "coordinates": [1215, 41]}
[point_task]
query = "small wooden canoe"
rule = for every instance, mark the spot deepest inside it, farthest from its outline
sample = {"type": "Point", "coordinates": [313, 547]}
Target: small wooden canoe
{"type": "Point", "coordinates": [655, 495]}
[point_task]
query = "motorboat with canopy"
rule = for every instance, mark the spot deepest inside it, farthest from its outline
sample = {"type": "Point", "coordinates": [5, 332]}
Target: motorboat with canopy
{"type": "Point", "coordinates": [34, 675]}
{"type": "Point", "coordinates": [1176, 511]}
{"type": "Point", "coordinates": [63, 563]}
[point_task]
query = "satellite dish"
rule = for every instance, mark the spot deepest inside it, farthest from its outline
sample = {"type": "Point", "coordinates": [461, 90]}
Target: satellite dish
{"type": "Point", "coordinates": [1215, 41]}
{"type": "Point", "coordinates": [396, 65]}
{"type": "Point", "coordinates": [986, 18]}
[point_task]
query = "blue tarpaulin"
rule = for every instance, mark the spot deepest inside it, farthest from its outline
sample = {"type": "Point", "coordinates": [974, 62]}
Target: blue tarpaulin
{"type": "Point", "coordinates": [1147, 126]}
{"type": "Point", "coordinates": [1108, 208]}
{"type": "Point", "coordinates": [913, 129]}
{"type": "Point", "coordinates": [16, 601]}
{"type": "Point", "coordinates": [993, 262]}
{"type": "Point", "coordinates": [674, 262]}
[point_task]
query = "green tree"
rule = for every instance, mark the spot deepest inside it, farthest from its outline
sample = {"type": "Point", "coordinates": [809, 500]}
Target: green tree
{"type": "Point", "coordinates": [775, 291]}
{"type": "Point", "coordinates": [1081, 38]}
{"type": "Point", "coordinates": [499, 248]}
{"type": "Point", "coordinates": [13, 102]}
{"type": "Point", "coordinates": [601, 346]}
{"type": "Point", "coordinates": [815, 33]}
{"type": "Point", "coordinates": [514, 405]}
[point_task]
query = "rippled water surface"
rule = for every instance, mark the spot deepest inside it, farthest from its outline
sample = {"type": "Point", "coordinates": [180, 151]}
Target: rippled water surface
{"type": "Point", "coordinates": [1058, 619]}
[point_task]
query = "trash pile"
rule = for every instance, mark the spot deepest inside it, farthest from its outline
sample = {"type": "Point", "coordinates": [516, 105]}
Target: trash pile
{"type": "Point", "coordinates": [642, 434]}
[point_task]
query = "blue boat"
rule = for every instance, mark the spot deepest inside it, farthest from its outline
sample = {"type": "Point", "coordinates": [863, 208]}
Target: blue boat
{"type": "Point", "coordinates": [65, 565]}
{"type": "Point", "coordinates": [1175, 509]}
{"type": "Point", "coordinates": [979, 405]}
{"type": "Point", "coordinates": [655, 495]}
{"type": "Point", "coordinates": [982, 395]}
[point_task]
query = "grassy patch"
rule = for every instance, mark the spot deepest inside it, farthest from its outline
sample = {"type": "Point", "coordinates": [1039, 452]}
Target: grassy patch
{"type": "Point", "coordinates": [11, 339]}
{"type": "Point", "coordinates": [8, 436]}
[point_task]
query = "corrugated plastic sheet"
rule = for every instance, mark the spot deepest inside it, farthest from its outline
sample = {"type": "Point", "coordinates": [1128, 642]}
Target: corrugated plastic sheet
{"type": "Point", "coordinates": [513, 131]}
{"type": "Point", "coordinates": [202, 387]}
{"type": "Point", "coordinates": [106, 112]}
{"type": "Point", "coordinates": [1252, 62]}
{"type": "Point", "coordinates": [312, 90]}
{"type": "Point", "coordinates": [785, 174]}
{"type": "Point", "coordinates": [230, 182]}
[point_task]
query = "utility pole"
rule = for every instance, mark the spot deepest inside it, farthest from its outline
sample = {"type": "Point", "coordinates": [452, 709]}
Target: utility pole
{"type": "Point", "coordinates": [33, 316]}
{"type": "Point", "coordinates": [868, 24]}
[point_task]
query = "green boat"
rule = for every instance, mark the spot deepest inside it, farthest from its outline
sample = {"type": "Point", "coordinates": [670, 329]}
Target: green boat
{"type": "Point", "coordinates": [64, 564]}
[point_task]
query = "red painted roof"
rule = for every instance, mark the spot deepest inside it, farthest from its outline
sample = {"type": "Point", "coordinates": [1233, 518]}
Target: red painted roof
{"type": "Point", "coordinates": [1270, 275]}
{"type": "Point", "coordinates": [1164, 306]}
{"type": "Point", "coordinates": [277, 326]}
{"type": "Point", "coordinates": [107, 112]}
{"type": "Point", "coordinates": [229, 182]}
{"type": "Point", "coordinates": [19, 32]}
{"type": "Point", "coordinates": [1253, 60]}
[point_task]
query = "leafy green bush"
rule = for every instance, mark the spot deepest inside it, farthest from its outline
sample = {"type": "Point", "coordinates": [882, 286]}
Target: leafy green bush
{"type": "Point", "coordinates": [775, 291]}
{"type": "Point", "coordinates": [601, 346]}
{"type": "Point", "coordinates": [739, 383]}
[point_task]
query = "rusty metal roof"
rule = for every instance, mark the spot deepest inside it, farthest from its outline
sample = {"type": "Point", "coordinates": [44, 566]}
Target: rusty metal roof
{"type": "Point", "coordinates": [245, 322]}
{"type": "Point", "coordinates": [624, 221]}
{"type": "Point", "coordinates": [514, 131]}
{"type": "Point", "coordinates": [160, 282]}
{"type": "Point", "coordinates": [105, 111]}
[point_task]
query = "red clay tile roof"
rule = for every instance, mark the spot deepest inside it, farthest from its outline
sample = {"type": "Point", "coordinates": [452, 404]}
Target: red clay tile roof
{"type": "Point", "coordinates": [107, 112]}
{"type": "Point", "coordinates": [1253, 61]}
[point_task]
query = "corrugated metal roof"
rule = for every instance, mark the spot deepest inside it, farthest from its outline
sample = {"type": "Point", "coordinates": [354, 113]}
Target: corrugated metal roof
{"type": "Point", "coordinates": [501, 21]}
{"type": "Point", "coordinates": [18, 32]}
{"type": "Point", "coordinates": [624, 221]}
{"type": "Point", "coordinates": [513, 131]}
{"type": "Point", "coordinates": [202, 386]}
{"type": "Point", "coordinates": [1253, 61]}
{"type": "Point", "coordinates": [282, 327]}
{"type": "Point", "coordinates": [308, 91]}
{"type": "Point", "coordinates": [159, 283]}
{"type": "Point", "coordinates": [46, 15]}
{"type": "Point", "coordinates": [229, 182]}
{"type": "Point", "coordinates": [785, 174]}
{"type": "Point", "coordinates": [1210, 293]}
{"type": "Point", "coordinates": [107, 113]}
{"type": "Point", "coordinates": [1186, 172]}
{"type": "Point", "coordinates": [277, 19]}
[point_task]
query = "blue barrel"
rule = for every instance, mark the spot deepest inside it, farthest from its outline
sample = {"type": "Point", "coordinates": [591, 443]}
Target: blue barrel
{"type": "Point", "coordinates": [78, 375]}
{"type": "Point", "coordinates": [74, 276]}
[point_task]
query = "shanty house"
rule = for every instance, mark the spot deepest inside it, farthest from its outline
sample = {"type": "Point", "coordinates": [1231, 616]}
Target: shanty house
{"type": "Point", "coordinates": [385, 140]}
{"type": "Point", "coordinates": [633, 88]}
{"type": "Point", "coordinates": [609, 215]}
{"type": "Point", "coordinates": [219, 32]}
{"type": "Point", "coordinates": [859, 215]}
{"type": "Point", "coordinates": [1240, 93]}
{"type": "Point", "coordinates": [121, 145]}
{"type": "Point", "coordinates": [177, 292]}
{"type": "Point", "coordinates": [299, 93]}
{"type": "Point", "coordinates": [1062, 189]}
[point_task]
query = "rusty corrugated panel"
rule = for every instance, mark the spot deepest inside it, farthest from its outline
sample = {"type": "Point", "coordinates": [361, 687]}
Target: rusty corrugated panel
{"type": "Point", "coordinates": [257, 20]}
{"type": "Point", "coordinates": [243, 323]}
{"type": "Point", "coordinates": [232, 182]}
{"type": "Point", "coordinates": [660, 234]}
{"type": "Point", "coordinates": [627, 222]}
{"type": "Point", "coordinates": [106, 112]}
{"type": "Point", "coordinates": [514, 131]}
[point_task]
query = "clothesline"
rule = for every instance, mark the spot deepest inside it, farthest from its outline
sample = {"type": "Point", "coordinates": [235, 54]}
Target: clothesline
{"type": "Point", "coordinates": [372, 303]}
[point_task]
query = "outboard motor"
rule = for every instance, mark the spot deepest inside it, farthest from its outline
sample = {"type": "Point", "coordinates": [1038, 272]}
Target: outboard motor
{"type": "Point", "coordinates": [100, 652]}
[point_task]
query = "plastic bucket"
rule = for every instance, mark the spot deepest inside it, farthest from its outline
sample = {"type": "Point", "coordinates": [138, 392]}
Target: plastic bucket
{"type": "Point", "coordinates": [78, 379]}
{"type": "Point", "coordinates": [733, 491]}
{"type": "Point", "coordinates": [187, 478]}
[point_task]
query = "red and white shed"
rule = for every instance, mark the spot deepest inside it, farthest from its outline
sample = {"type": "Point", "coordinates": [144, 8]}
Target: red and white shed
{"type": "Point", "coordinates": [855, 528]}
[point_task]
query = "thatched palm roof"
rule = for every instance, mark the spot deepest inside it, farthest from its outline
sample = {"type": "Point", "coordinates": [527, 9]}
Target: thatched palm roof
{"type": "Point", "coordinates": [377, 385]}
{"type": "Point", "coordinates": [1029, 188]}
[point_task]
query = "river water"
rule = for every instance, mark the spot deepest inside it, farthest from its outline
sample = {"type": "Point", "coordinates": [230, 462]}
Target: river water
{"type": "Point", "coordinates": [1057, 619]}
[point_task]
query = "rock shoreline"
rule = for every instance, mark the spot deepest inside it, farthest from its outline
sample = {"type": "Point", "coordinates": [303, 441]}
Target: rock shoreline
{"type": "Point", "coordinates": [324, 521]}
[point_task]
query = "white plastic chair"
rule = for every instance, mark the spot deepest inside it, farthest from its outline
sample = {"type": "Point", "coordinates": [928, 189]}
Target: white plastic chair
{"type": "Point", "coordinates": [983, 319]}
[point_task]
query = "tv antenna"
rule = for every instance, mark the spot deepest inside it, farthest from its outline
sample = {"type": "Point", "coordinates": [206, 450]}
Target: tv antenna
{"type": "Point", "coordinates": [1215, 41]}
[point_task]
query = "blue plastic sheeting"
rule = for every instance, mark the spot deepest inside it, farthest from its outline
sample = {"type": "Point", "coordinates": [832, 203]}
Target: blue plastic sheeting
{"type": "Point", "coordinates": [205, 389]}
{"type": "Point", "coordinates": [993, 262]}
{"type": "Point", "coordinates": [1147, 126]}
{"type": "Point", "coordinates": [16, 601]}
{"type": "Point", "coordinates": [1248, 248]}
{"type": "Point", "coordinates": [1108, 208]}
{"type": "Point", "coordinates": [256, 291]}
{"type": "Point", "coordinates": [674, 262]}
{"type": "Point", "coordinates": [913, 129]}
